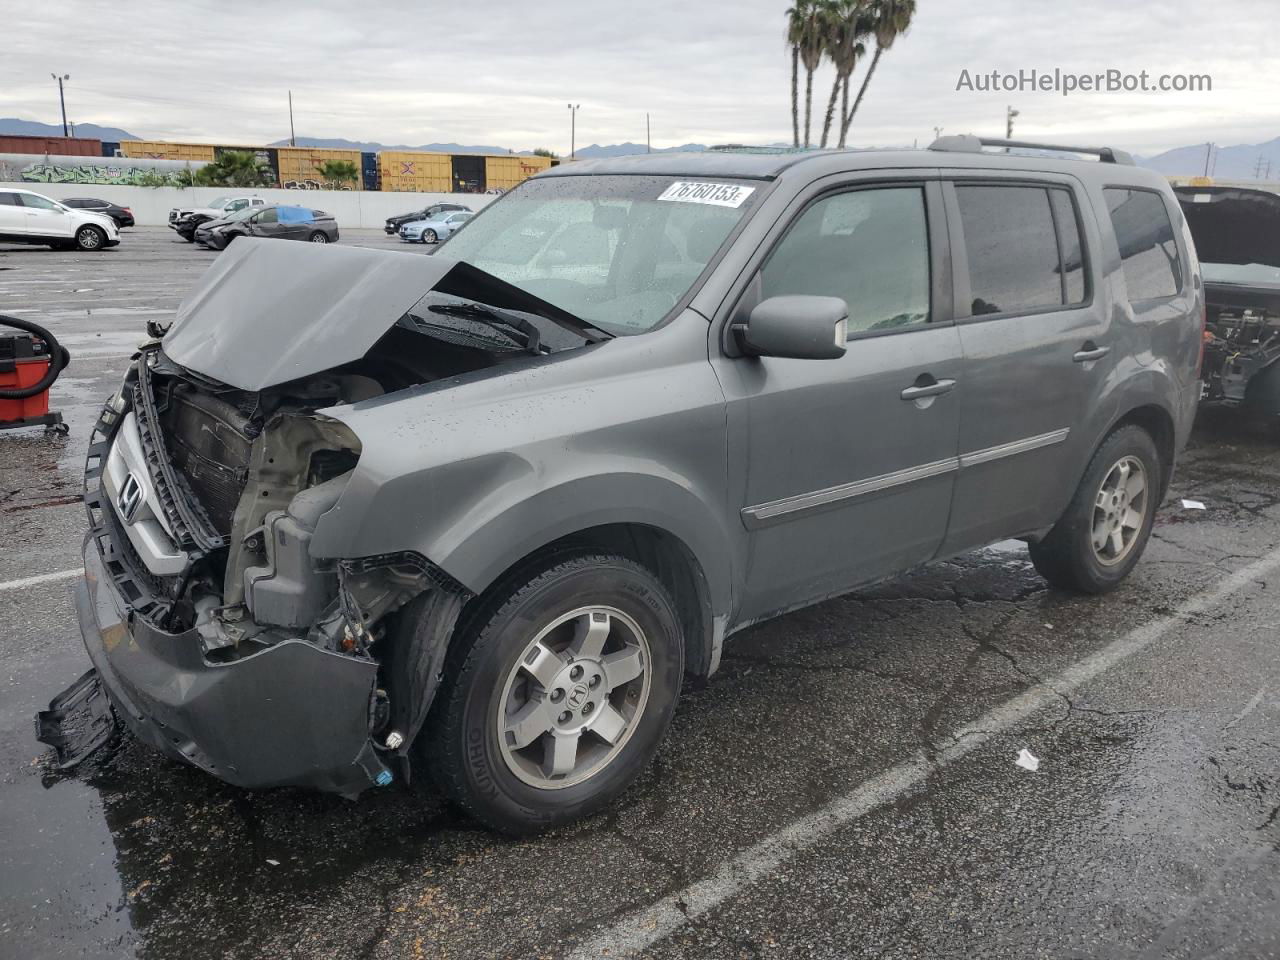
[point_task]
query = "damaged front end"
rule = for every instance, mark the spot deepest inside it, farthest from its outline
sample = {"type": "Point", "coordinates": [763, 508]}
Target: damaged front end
{"type": "Point", "coordinates": [1237, 237]}
{"type": "Point", "coordinates": [217, 635]}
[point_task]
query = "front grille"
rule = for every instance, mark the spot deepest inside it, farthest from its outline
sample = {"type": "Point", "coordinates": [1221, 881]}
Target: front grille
{"type": "Point", "coordinates": [209, 445]}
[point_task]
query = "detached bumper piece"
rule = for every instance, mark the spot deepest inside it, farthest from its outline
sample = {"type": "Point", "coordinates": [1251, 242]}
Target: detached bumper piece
{"type": "Point", "coordinates": [79, 721]}
{"type": "Point", "coordinates": [291, 714]}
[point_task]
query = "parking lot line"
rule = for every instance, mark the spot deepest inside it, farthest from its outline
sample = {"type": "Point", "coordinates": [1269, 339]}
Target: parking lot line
{"type": "Point", "coordinates": [646, 926]}
{"type": "Point", "coordinates": [25, 582]}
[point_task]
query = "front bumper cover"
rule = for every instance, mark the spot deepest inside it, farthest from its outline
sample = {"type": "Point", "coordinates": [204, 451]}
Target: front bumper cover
{"type": "Point", "coordinates": [292, 714]}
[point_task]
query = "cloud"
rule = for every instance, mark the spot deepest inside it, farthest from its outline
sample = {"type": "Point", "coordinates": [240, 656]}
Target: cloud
{"type": "Point", "coordinates": [711, 71]}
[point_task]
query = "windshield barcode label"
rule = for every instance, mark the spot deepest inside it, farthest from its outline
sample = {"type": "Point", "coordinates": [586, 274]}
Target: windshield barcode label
{"type": "Point", "coordinates": [718, 194]}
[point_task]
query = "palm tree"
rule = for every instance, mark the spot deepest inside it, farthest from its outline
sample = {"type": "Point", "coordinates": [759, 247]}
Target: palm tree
{"type": "Point", "coordinates": [890, 19]}
{"type": "Point", "coordinates": [849, 24]}
{"type": "Point", "coordinates": [236, 168]}
{"type": "Point", "coordinates": [795, 37]}
{"type": "Point", "coordinates": [339, 171]}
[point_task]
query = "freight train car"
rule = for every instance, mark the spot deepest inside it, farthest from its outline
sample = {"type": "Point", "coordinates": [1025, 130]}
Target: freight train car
{"type": "Point", "coordinates": [56, 146]}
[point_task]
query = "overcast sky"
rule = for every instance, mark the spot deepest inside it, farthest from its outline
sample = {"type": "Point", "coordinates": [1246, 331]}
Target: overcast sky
{"type": "Point", "coordinates": [709, 71]}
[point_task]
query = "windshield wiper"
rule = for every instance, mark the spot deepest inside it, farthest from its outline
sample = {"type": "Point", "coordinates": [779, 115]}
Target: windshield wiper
{"type": "Point", "coordinates": [509, 324]}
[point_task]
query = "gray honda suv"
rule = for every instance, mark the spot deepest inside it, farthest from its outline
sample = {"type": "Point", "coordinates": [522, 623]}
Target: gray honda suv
{"type": "Point", "coordinates": [483, 512]}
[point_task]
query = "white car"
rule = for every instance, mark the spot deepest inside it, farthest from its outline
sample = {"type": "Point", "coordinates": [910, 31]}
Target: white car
{"type": "Point", "coordinates": [27, 217]}
{"type": "Point", "coordinates": [430, 231]}
{"type": "Point", "coordinates": [217, 209]}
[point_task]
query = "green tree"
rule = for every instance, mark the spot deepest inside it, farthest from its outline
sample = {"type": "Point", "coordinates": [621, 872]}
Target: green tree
{"type": "Point", "coordinates": [848, 26]}
{"type": "Point", "coordinates": [890, 19]}
{"type": "Point", "coordinates": [339, 171]}
{"type": "Point", "coordinates": [544, 152]}
{"type": "Point", "coordinates": [236, 168]}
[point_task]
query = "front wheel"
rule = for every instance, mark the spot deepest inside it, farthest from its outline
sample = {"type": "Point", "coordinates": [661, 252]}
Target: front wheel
{"type": "Point", "coordinates": [90, 238]}
{"type": "Point", "coordinates": [429, 236]}
{"type": "Point", "coordinates": [318, 237]}
{"type": "Point", "coordinates": [557, 694]}
{"type": "Point", "coordinates": [1103, 532]}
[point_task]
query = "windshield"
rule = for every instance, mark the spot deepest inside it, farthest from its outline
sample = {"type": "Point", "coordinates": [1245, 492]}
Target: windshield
{"type": "Point", "coordinates": [244, 213]}
{"type": "Point", "coordinates": [1240, 273]}
{"type": "Point", "coordinates": [617, 251]}
{"type": "Point", "coordinates": [219, 203]}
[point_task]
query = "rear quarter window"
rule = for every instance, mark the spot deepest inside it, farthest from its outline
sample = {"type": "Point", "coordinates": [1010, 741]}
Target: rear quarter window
{"type": "Point", "coordinates": [1144, 234]}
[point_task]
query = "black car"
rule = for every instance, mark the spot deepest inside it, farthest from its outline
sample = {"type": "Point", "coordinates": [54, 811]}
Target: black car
{"type": "Point", "coordinates": [393, 224]}
{"type": "Point", "coordinates": [281, 221]}
{"type": "Point", "coordinates": [123, 216]}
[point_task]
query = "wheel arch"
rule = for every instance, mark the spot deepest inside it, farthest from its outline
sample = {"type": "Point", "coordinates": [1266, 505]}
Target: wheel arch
{"type": "Point", "coordinates": [1158, 423]}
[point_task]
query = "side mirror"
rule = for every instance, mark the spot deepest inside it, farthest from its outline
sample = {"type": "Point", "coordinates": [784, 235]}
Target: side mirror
{"type": "Point", "coordinates": [800, 327]}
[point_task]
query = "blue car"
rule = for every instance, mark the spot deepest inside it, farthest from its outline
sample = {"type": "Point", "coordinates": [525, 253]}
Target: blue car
{"type": "Point", "coordinates": [432, 231]}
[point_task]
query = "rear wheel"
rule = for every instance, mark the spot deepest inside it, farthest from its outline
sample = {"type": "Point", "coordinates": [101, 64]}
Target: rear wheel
{"type": "Point", "coordinates": [557, 694]}
{"type": "Point", "coordinates": [429, 236]}
{"type": "Point", "coordinates": [90, 237]}
{"type": "Point", "coordinates": [1103, 532]}
{"type": "Point", "coordinates": [318, 237]}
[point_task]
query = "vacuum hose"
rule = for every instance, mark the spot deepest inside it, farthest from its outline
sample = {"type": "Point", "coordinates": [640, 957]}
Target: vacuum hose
{"type": "Point", "coordinates": [58, 359]}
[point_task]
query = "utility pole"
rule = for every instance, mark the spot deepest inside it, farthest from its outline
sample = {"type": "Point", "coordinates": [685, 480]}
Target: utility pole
{"type": "Point", "coordinates": [62, 99]}
{"type": "Point", "coordinates": [573, 119]}
{"type": "Point", "coordinates": [293, 141]}
{"type": "Point", "coordinates": [648, 142]}
{"type": "Point", "coordinates": [1208, 148]}
{"type": "Point", "coordinates": [1009, 114]}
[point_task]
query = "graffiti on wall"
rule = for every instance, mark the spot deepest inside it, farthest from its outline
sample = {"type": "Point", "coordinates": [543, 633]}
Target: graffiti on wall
{"type": "Point", "coordinates": [106, 174]}
{"type": "Point", "coordinates": [310, 184]}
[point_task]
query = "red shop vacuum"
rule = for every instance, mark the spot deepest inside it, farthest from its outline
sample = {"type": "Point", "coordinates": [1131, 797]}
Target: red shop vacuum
{"type": "Point", "coordinates": [29, 363]}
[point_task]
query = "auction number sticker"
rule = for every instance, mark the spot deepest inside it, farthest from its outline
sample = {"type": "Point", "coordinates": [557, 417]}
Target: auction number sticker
{"type": "Point", "coordinates": [717, 194]}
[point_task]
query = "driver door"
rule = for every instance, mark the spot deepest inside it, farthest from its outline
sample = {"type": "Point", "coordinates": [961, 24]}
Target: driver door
{"type": "Point", "coordinates": [848, 465]}
{"type": "Point", "coordinates": [44, 218]}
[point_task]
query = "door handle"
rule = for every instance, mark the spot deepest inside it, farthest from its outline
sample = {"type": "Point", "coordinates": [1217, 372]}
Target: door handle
{"type": "Point", "coordinates": [937, 388]}
{"type": "Point", "coordinates": [1090, 352]}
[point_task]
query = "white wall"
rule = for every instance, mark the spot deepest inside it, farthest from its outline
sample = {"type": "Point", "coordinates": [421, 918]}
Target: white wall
{"type": "Point", "coordinates": [352, 208]}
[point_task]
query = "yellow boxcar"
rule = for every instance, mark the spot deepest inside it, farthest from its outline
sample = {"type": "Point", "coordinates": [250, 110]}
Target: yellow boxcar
{"type": "Point", "coordinates": [503, 173]}
{"type": "Point", "coordinates": [411, 171]}
{"type": "Point", "coordinates": [300, 167]}
{"type": "Point", "coordinates": [160, 150]}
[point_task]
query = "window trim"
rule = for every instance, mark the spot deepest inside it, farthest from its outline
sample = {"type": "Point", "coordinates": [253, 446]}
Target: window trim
{"type": "Point", "coordinates": [940, 313]}
{"type": "Point", "coordinates": [960, 251]}
{"type": "Point", "coordinates": [1182, 286]}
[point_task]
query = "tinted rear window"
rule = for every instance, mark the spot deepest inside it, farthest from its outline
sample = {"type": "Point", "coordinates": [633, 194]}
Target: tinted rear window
{"type": "Point", "coordinates": [1144, 233]}
{"type": "Point", "coordinates": [1012, 248]}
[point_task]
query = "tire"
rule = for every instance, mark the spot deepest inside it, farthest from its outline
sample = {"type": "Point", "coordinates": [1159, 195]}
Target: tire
{"type": "Point", "coordinates": [614, 724]}
{"type": "Point", "coordinates": [318, 236]}
{"type": "Point", "coordinates": [429, 236]}
{"type": "Point", "coordinates": [90, 237]}
{"type": "Point", "coordinates": [1068, 556]}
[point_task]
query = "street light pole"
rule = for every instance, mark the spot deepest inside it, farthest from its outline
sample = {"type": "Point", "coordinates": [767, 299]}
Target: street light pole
{"type": "Point", "coordinates": [62, 99]}
{"type": "Point", "coordinates": [293, 141]}
{"type": "Point", "coordinates": [1009, 114]}
{"type": "Point", "coordinates": [573, 133]}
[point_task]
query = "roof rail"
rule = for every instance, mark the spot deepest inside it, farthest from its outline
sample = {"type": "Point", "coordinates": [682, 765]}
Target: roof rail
{"type": "Point", "coordinates": [968, 143]}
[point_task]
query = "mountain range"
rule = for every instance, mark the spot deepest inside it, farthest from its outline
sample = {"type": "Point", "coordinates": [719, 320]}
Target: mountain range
{"type": "Point", "coordinates": [1238, 162]}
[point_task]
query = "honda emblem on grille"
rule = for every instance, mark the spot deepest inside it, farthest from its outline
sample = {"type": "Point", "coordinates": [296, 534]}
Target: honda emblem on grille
{"type": "Point", "coordinates": [130, 497]}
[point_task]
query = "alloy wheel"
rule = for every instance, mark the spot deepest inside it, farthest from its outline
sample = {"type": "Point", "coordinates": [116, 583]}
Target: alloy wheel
{"type": "Point", "coordinates": [574, 697]}
{"type": "Point", "coordinates": [1119, 510]}
{"type": "Point", "coordinates": [89, 238]}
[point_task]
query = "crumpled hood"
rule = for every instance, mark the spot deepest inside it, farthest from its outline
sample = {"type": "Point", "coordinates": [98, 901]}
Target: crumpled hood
{"type": "Point", "coordinates": [1233, 224]}
{"type": "Point", "coordinates": [269, 311]}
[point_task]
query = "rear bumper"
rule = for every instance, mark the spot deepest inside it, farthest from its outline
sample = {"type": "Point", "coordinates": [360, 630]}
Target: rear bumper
{"type": "Point", "coordinates": [290, 715]}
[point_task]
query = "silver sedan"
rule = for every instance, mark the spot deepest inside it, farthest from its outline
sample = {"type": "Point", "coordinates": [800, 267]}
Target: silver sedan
{"type": "Point", "coordinates": [433, 231]}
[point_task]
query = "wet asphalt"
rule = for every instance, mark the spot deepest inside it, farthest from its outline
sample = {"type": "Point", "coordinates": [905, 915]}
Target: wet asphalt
{"type": "Point", "coordinates": [845, 787]}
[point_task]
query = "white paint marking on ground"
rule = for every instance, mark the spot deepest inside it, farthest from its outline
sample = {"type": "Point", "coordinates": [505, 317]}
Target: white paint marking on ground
{"type": "Point", "coordinates": [646, 926]}
{"type": "Point", "coordinates": [35, 581]}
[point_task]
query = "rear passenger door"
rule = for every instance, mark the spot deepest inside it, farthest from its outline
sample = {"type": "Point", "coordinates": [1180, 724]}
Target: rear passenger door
{"type": "Point", "coordinates": [13, 218]}
{"type": "Point", "coordinates": [1037, 351]}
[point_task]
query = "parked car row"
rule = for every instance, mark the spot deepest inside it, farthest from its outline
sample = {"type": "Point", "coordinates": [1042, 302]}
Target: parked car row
{"type": "Point", "coordinates": [431, 212]}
